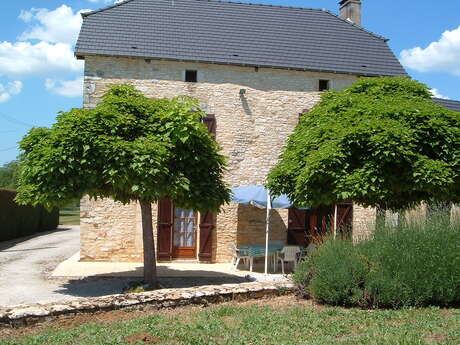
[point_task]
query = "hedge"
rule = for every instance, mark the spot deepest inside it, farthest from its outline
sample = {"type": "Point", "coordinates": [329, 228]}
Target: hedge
{"type": "Point", "coordinates": [18, 221]}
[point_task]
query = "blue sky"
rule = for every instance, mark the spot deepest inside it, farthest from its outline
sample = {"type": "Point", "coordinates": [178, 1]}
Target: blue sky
{"type": "Point", "coordinates": [39, 76]}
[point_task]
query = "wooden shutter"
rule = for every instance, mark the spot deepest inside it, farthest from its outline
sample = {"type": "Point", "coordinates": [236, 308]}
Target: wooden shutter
{"type": "Point", "coordinates": [165, 209]}
{"type": "Point", "coordinates": [207, 223]}
{"type": "Point", "coordinates": [210, 122]}
{"type": "Point", "coordinates": [207, 226]}
{"type": "Point", "coordinates": [297, 227]}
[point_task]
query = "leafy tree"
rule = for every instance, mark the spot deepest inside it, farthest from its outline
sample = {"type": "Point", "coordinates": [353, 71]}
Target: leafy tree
{"type": "Point", "coordinates": [382, 142]}
{"type": "Point", "coordinates": [9, 175]}
{"type": "Point", "coordinates": [129, 148]}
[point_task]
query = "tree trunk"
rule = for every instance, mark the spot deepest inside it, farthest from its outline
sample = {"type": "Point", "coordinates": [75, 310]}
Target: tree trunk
{"type": "Point", "coordinates": [150, 264]}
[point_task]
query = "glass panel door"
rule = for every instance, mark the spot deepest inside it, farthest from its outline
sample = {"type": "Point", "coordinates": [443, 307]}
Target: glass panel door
{"type": "Point", "coordinates": [184, 233]}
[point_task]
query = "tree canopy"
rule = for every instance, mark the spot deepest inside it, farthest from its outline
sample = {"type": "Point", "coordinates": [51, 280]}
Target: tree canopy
{"type": "Point", "coordinates": [128, 148]}
{"type": "Point", "coordinates": [380, 142]}
{"type": "Point", "coordinates": [9, 175]}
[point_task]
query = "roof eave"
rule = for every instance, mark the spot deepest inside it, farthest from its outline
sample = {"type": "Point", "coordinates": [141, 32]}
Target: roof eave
{"type": "Point", "coordinates": [81, 56]}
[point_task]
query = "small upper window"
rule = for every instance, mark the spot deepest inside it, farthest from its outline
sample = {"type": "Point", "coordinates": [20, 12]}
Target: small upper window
{"type": "Point", "coordinates": [191, 76]}
{"type": "Point", "coordinates": [324, 85]}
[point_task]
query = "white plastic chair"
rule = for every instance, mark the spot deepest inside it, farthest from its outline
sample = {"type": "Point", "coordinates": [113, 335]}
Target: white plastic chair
{"type": "Point", "coordinates": [237, 255]}
{"type": "Point", "coordinates": [274, 256]}
{"type": "Point", "coordinates": [289, 254]}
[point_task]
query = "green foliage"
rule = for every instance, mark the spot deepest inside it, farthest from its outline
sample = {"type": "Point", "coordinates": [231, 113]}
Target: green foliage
{"type": "Point", "coordinates": [18, 221]}
{"type": "Point", "coordinates": [414, 264]}
{"type": "Point", "coordinates": [335, 275]}
{"type": "Point", "coordinates": [381, 142]}
{"type": "Point", "coordinates": [128, 148]}
{"type": "Point", "coordinates": [9, 175]}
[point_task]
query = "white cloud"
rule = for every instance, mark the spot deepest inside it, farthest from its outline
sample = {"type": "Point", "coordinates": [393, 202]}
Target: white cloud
{"type": "Point", "coordinates": [46, 48]}
{"type": "Point", "coordinates": [439, 56]}
{"type": "Point", "coordinates": [26, 16]}
{"type": "Point", "coordinates": [437, 94]}
{"type": "Point", "coordinates": [42, 58]}
{"type": "Point", "coordinates": [11, 89]}
{"type": "Point", "coordinates": [67, 88]}
{"type": "Point", "coordinates": [60, 25]}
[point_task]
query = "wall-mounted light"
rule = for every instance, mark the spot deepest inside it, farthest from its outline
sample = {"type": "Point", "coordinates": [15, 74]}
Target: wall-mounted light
{"type": "Point", "coordinates": [242, 92]}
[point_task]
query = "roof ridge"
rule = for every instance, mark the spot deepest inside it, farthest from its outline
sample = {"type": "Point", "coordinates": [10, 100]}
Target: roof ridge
{"type": "Point", "coordinates": [357, 26]}
{"type": "Point", "coordinates": [215, 1]}
{"type": "Point", "coordinates": [265, 5]}
{"type": "Point", "coordinates": [122, 2]}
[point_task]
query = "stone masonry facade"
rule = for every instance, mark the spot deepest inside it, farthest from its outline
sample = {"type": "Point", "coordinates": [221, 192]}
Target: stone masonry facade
{"type": "Point", "coordinates": [252, 128]}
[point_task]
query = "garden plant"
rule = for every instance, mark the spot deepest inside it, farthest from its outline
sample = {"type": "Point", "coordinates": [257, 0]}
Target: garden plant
{"type": "Point", "coordinates": [413, 264]}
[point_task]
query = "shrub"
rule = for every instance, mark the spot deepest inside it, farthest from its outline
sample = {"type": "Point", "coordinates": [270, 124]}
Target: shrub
{"type": "Point", "coordinates": [334, 274]}
{"type": "Point", "coordinates": [414, 264]}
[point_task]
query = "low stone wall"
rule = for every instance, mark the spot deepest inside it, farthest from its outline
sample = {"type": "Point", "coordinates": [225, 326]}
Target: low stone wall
{"type": "Point", "coordinates": [24, 315]}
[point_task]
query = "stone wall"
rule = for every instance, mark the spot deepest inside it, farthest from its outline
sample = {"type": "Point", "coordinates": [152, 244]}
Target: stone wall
{"type": "Point", "coordinates": [363, 222]}
{"type": "Point", "coordinates": [251, 128]}
{"type": "Point", "coordinates": [25, 315]}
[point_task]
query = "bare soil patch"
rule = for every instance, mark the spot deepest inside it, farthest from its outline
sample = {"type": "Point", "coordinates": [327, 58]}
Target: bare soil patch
{"type": "Point", "coordinates": [144, 338]}
{"type": "Point", "coordinates": [436, 338]}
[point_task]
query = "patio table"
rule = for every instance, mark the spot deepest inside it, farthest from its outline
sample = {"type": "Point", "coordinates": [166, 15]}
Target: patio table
{"type": "Point", "coordinates": [258, 251]}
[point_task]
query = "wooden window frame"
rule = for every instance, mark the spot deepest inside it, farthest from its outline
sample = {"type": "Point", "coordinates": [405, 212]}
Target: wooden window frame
{"type": "Point", "coordinates": [328, 81]}
{"type": "Point", "coordinates": [187, 76]}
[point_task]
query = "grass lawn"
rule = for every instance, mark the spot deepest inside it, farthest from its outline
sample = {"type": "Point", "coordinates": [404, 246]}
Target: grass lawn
{"type": "Point", "coordinates": [277, 321]}
{"type": "Point", "coordinates": [69, 216]}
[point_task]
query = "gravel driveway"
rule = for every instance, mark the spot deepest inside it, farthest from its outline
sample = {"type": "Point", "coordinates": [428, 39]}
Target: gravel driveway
{"type": "Point", "coordinates": [26, 266]}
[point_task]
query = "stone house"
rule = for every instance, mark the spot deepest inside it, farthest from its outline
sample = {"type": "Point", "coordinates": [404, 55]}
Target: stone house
{"type": "Point", "coordinates": [254, 68]}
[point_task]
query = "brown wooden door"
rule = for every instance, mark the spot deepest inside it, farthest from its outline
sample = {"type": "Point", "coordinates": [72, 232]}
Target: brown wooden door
{"type": "Point", "coordinates": [164, 230]}
{"type": "Point", "coordinates": [310, 226]}
{"type": "Point", "coordinates": [184, 233]}
{"type": "Point", "coordinates": [297, 227]}
{"type": "Point", "coordinates": [319, 223]}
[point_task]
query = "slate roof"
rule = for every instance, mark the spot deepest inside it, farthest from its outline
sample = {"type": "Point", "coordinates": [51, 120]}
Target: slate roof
{"type": "Point", "coordinates": [448, 103]}
{"type": "Point", "coordinates": [236, 33]}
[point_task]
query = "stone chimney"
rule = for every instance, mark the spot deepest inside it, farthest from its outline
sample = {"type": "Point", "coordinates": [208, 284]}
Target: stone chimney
{"type": "Point", "coordinates": [351, 10]}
